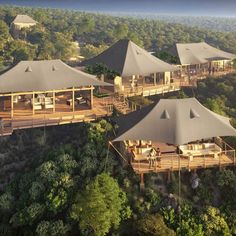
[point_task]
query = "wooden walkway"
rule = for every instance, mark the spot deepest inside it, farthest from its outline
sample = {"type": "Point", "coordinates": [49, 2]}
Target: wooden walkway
{"type": "Point", "coordinates": [151, 89]}
{"type": "Point", "coordinates": [174, 163]}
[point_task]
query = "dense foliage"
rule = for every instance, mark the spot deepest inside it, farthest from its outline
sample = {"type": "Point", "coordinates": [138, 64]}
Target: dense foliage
{"type": "Point", "coordinates": [53, 37]}
{"type": "Point", "coordinates": [65, 181]}
{"type": "Point", "coordinates": [224, 24]}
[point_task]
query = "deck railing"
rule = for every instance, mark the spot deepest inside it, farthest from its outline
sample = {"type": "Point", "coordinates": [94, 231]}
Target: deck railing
{"type": "Point", "coordinates": [174, 161]}
{"type": "Point", "coordinates": [153, 89]}
{"type": "Point", "coordinates": [104, 108]}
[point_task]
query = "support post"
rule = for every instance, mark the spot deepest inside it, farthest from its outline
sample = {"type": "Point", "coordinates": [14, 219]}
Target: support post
{"type": "Point", "coordinates": [73, 99]}
{"type": "Point", "coordinates": [91, 99]}
{"type": "Point", "coordinates": [54, 101]}
{"type": "Point", "coordinates": [12, 106]}
{"type": "Point", "coordinates": [142, 186]}
{"type": "Point", "coordinates": [155, 79]}
{"type": "Point", "coordinates": [168, 176]}
{"type": "Point", "coordinates": [33, 97]}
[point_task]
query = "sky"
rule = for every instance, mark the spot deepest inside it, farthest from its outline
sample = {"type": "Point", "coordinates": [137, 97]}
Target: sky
{"type": "Point", "coordinates": [225, 8]}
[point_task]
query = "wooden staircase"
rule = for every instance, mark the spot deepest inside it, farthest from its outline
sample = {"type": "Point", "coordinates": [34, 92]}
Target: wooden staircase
{"type": "Point", "coordinates": [121, 104]}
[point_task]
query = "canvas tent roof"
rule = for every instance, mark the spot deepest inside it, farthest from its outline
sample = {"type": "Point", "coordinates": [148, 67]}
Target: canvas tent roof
{"type": "Point", "coordinates": [173, 121]}
{"type": "Point", "coordinates": [24, 19]}
{"type": "Point", "coordinates": [127, 58]}
{"type": "Point", "coordinates": [44, 76]}
{"type": "Point", "coordinates": [199, 53]}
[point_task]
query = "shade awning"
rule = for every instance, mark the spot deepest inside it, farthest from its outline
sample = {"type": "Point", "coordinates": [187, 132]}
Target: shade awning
{"type": "Point", "coordinates": [127, 58]}
{"type": "Point", "coordinates": [45, 75]}
{"type": "Point", "coordinates": [174, 121]}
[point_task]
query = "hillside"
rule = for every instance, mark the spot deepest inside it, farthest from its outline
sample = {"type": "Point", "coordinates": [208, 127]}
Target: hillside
{"type": "Point", "coordinates": [68, 180]}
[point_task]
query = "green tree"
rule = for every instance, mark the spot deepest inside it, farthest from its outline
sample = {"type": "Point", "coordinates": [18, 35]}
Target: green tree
{"type": "Point", "coordinates": [4, 35]}
{"type": "Point", "coordinates": [214, 223]}
{"type": "Point", "coordinates": [52, 228]}
{"type": "Point", "coordinates": [100, 206]}
{"type": "Point", "coordinates": [152, 225]}
{"type": "Point", "coordinates": [121, 31]}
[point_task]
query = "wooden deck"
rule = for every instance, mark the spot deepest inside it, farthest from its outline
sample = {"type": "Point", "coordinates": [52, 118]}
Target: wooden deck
{"type": "Point", "coordinates": [23, 117]}
{"type": "Point", "coordinates": [175, 162]}
{"type": "Point", "coordinates": [171, 161]}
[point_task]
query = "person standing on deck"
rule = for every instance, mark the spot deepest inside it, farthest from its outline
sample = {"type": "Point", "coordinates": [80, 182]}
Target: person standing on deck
{"type": "Point", "coordinates": [159, 156]}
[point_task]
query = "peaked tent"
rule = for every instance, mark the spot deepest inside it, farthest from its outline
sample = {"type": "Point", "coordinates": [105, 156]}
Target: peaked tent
{"type": "Point", "coordinates": [45, 75]}
{"type": "Point", "coordinates": [173, 121]}
{"type": "Point", "coordinates": [127, 58]}
{"type": "Point", "coordinates": [200, 53]}
{"type": "Point", "coordinates": [24, 19]}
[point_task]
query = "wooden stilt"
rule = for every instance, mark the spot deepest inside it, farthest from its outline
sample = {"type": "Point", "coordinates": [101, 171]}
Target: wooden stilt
{"type": "Point", "coordinates": [142, 186]}
{"type": "Point", "coordinates": [169, 176]}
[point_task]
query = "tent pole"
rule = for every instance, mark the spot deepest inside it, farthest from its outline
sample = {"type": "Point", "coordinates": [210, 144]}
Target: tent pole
{"type": "Point", "coordinates": [118, 152]}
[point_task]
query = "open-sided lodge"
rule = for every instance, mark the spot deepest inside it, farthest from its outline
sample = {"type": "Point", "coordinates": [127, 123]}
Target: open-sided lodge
{"type": "Point", "coordinates": [39, 93]}
{"type": "Point", "coordinates": [175, 134]}
{"type": "Point", "coordinates": [140, 72]}
{"type": "Point", "coordinates": [201, 59]}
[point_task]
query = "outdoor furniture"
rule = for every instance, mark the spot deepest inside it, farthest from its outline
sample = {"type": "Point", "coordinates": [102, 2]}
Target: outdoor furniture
{"type": "Point", "coordinates": [48, 103]}
{"type": "Point", "coordinates": [142, 154]}
{"type": "Point", "coordinates": [49, 106]}
{"type": "Point", "coordinates": [69, 102]}
{"type": "Point", "coordinates": [80, 100]}
{"type": "Point", "coordinates": [40, 97]}
{"type": "Point", "coordinates": [204, 149]}
{"type": "Point", "coordinates": [38, 106]}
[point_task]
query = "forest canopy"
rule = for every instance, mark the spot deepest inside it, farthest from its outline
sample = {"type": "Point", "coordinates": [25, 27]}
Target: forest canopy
{"type": "Point", "coordinates": [53, 37]}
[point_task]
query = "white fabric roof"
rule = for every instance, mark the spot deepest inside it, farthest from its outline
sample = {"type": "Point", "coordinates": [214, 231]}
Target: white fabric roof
{"type": "Point", "coordinates": [24, 19]}
{"type": "Point", "coordinates": [199, 53]}
{"type": "Point", "coordinates": [45, 75]}
{"type": "Point", "coordinates": [173, 121]}
{"type": "Point", "coordinates": [127, 58]}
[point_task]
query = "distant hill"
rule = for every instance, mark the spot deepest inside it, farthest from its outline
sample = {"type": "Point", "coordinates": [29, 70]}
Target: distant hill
{"type": "Point", "coordinates": [222, 24]}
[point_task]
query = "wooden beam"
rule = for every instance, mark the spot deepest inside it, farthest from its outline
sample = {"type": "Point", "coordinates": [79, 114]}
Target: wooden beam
{"type": "Point", "coordinates": [49, 91]}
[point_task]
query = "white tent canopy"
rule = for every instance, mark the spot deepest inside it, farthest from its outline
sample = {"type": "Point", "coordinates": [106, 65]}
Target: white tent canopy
{"type": "Point", "coordinates": [45, 75]}
{"type": "Point", "coordinates": [127, 58]}
{"type": "Point", "coordinates": [200, 53]}
{"type": "Point", "coordinates": [174, 121]}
